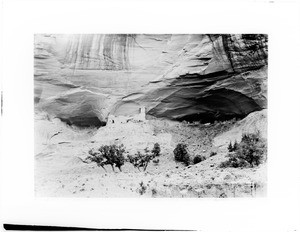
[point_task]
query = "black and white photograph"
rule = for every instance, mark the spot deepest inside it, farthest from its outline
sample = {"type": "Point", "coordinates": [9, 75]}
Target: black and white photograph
{"type": "Point", "coordinates": [150, 115]}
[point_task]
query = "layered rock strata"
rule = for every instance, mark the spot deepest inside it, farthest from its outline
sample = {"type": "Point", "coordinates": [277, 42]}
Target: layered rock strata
{"type": "Point", "coordinates": [81, 79]}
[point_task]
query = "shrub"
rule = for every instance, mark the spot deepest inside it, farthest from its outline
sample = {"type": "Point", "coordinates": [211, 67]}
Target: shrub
{"type": "Point", "coordinates": [156, 149]}
{"type": "Point", "coordinates": [97, 157]}
{"type": "Point", "coordinates": [252, 148]}
{"type": "Point", "coordinates": [181, 154]}
{"type": "Point", "coordinates": [118, 155]}
{"type": "Point", "coordinates": [230, 147]}
{"type": "Point", "coordinates": [213, 153]}
{"type": "Point", "coordinates": [142, 188]}
{"type": "Point", "coordinates": [140, 160]}
{"type": "Point", "coordinates": [198, 159]}
{"type": "Point", "coordinates": [234, 162]}
{"type": "Point", "coordinates": [250, 152]}
{"type": "Point", "coordinates": [235, 146]}
{"type": "Point", "coordinates": [108, 155]}
{"type": "Point", "coordinates": [154, 192]}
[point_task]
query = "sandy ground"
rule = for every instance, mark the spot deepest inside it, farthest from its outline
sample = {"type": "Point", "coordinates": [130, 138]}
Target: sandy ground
{"type": "Point", "coordinates": [60, 172]}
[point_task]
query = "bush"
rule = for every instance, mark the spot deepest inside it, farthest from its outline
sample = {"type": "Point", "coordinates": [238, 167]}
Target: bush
{"type": "Point", "coordinates": [156, 149]}
{"type": "Point", "coordinates": [235, 146]}
{"type": "Point", "coordinates": [181, 154]}
{"type": "Point", "coordinates": [108, 155]}
{"type": "Point", "coordinates": [234, 162]}
{"type": "Point", "coordinates": [142, 188]}
{"type": "Point", "coordinates": [250, 152]}
{"type": "Point", "coordinates": [154, 192]}
{"type": "Point", "coordinates": [118, 156]}
{"type": "Point", "coordinates": [198, 159]}
{"type": "Point", "coordinates": [213, 153]}
{"type": "Point", "coordinates": [230, 147]}
{"type": "Point", "coordinates": [140, 160]}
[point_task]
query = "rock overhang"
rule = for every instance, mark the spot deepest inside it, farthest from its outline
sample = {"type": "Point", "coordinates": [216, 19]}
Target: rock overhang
{"type": "Point", "coordinates": [194, 77]}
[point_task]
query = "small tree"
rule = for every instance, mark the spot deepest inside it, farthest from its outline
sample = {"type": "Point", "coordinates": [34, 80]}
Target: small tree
{"type": "Point", "coordinates": [181, 154]}
{"type": "Point", "coordinates": [118, 156]}
{"type": "Point", "coordinates": [108, 155]}
{"type": "Point", "coordinates": [252, 149]}
{"type": "Point", "coordinates": [97, 157]}
{"type": "Point", "coordinates": [135, 160]}
{"type": "Point", "coordinates": [140, 160]}
{"type": "Point", "coordinates": [250, 152]}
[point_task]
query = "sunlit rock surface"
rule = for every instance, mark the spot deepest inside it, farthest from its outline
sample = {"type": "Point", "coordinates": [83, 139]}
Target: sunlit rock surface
{"type": "Point", "coordinates": [81, 79]}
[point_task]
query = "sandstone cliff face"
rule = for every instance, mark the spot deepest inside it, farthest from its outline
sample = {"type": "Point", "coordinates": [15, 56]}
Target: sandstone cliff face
{"type": "Point", "coordinates": [81, 79]}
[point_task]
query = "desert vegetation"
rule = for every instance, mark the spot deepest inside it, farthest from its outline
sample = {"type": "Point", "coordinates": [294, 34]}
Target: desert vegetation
{"type": "Point", "coordinates": [181, 154]}
{"type": "Point", "coordinates": [142, 188]}
{"type": "Point", "coordinates": [198, 158]}
{"type": "Point", "coordinates": [108, 155]}
{"type": "Point", "coordinates": [113, 155]}
{"type": "Point", "coordinates": [250, 152]}
{"type": "Point", "coordinates": [156, 150]}
{"type": "Point", "coordinates": [233, 147]}
{"type": "Point", "coordinates": [213, 153]}
{"type": "Point", "coordinates": [191, 166]}
{"type": "Point", "coordinates": [141, 160]}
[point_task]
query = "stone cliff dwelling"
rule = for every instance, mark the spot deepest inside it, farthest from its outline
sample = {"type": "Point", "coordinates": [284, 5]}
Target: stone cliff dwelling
{"type": "Point", "coordinates": [140, 117]}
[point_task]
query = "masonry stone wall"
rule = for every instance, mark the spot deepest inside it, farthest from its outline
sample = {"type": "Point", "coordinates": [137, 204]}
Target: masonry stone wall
{"type": "Point", "coordinates": [141, 117]}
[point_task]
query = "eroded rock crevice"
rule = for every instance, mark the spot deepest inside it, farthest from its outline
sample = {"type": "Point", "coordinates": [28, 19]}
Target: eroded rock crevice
{"type": "Point", "coordinates": [220, 104]}
{"type": "Point", "coordinates": [83, 122]}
